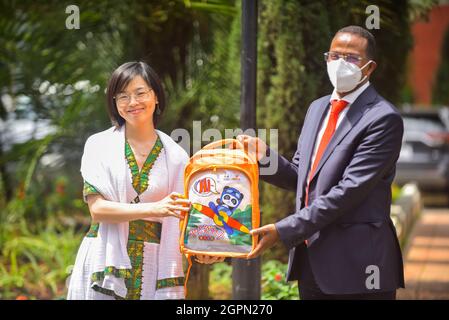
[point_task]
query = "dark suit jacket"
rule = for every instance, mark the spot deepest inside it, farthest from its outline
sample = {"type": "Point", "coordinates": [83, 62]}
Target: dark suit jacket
{"type": "Point", "coordinates": [347, 222]}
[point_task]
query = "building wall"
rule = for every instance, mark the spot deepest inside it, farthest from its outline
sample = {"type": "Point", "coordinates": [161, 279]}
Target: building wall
{"type": "Point", "coordinates": [425, 57]}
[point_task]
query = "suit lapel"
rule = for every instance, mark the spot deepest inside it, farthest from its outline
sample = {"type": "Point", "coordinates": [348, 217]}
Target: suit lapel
{"type": "Point", "coordinates": [353, 115]}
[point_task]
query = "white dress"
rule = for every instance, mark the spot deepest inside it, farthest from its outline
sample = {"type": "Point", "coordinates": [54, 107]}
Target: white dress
{"type": "Point", "coordinates": [149, 279]}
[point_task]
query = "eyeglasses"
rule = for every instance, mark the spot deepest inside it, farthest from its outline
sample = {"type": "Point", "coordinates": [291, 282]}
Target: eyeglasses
{"type": "Point", "coordinates": [351, 58]}
{"type": "Point", "coordinates": [123, 99]}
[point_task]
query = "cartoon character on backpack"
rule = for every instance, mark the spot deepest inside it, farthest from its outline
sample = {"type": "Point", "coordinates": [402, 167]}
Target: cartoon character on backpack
{"type": "Point", "coordinates": [229, 200]}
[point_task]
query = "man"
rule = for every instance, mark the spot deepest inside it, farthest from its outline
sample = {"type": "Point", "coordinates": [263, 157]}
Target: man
{"type": "Point", "coordinates": [342, 242]}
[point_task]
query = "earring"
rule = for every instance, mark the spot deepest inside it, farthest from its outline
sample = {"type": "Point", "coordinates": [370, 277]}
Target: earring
{"type": "Point", "coordinates": [158, 110]}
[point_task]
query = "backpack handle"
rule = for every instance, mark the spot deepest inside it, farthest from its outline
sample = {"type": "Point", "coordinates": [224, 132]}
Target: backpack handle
{"type": "Point", "coordinates": [220, 143]}
{"type": "Point", "coordinates": [235, 142]}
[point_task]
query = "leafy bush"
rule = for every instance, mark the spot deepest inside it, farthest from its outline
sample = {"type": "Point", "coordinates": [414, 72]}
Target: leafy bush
{"type": "Point", "coordinates": [37, 265]}
{"type": "Point", "coordinates": [274, 286]}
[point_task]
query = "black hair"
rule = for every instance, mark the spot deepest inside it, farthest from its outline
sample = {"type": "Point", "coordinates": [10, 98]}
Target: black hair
{"type": "Point", "coordinates": [122, 76]}
{"type": "Point", "coordinates": [361, 32]}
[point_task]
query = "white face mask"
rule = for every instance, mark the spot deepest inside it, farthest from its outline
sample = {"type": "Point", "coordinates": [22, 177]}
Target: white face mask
{"type": "Point", "coordinates": [345, 76]}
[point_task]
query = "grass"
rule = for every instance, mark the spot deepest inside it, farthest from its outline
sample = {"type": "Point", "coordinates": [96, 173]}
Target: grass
{"type": "Point", "coordinates": [36, 266]}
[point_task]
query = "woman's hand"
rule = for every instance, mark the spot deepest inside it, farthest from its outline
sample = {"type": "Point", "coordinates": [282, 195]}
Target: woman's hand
{"type": "Point", "coordinates": [205, 259]}
{"type": "Point", "coordinates": [256, 147]}
{"type": "Point", "coordinates": [173, 205]}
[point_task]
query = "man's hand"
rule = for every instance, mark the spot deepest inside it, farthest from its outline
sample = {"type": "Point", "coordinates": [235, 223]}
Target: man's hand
{"type": "Point", "coordinates": [269, 237]}
{"type": "Point", "coordinates": [256, 147]}
{"type": "Point", "coordinates": [205, 259]}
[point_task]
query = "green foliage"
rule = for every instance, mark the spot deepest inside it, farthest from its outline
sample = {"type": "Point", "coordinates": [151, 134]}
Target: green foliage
{"type": "Point", "coordinates": [37, 265]}
{"type": "Point", "coordinates": [274, 286]}
{"type": "Point", "coordinates": [48, 81]}
{"type": "Point", "coordinates": [208, 88]}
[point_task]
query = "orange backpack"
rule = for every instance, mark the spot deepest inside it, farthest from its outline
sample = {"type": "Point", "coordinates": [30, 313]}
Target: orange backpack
{"type": "Point", "coordinates": [223, 187]}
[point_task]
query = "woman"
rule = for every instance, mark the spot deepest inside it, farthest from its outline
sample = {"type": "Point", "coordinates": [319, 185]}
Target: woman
{"type": "Point", "coordinates": [133, 177]}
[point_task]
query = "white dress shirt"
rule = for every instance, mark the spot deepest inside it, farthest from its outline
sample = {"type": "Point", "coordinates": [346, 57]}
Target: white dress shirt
{"type": "Point", "coordinates": [350, 98]}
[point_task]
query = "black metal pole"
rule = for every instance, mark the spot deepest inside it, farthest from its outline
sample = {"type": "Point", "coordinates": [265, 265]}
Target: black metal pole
{"type": "Point", "coordinates": [246, 274]}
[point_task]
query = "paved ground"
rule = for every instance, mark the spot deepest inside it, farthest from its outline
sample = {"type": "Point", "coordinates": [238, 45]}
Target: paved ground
{"type": "Point", "coordinates": [427, 257]}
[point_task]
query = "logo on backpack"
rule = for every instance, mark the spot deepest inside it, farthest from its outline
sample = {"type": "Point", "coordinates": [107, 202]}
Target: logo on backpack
{"type": "Point", "coordinates": [205, 187]}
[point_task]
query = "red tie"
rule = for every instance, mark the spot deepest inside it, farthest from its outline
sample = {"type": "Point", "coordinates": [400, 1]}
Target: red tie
{"type": "Point", "coordinates": [337, 107]}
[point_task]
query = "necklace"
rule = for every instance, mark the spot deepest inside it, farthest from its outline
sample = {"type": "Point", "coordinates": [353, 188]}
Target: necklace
{"type": "Point", "coordinates": [138, 152]}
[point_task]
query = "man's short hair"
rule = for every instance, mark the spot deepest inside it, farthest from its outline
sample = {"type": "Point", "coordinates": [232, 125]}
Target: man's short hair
{"type": "Point", "coordinates": [361, 32]}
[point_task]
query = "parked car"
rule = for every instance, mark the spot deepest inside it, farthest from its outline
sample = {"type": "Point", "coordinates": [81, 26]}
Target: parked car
{"type": "Point", "coordinates": [424, 156]}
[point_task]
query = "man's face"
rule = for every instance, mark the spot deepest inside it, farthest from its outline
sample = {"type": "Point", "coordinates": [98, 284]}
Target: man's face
{"type": "Point", "coordinates": [348, 43]}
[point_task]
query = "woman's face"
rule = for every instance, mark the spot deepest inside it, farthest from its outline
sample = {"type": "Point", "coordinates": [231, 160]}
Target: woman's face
{"type": "Point", "coordinates": [136, 103]}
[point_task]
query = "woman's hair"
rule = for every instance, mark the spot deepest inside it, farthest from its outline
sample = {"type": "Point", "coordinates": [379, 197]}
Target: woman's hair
{"type": "Point", "coordinates": [122, 76]}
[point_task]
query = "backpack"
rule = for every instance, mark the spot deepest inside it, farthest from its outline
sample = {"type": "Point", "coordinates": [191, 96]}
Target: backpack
{"type": "Point", "coordinates": [222, 185]}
